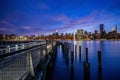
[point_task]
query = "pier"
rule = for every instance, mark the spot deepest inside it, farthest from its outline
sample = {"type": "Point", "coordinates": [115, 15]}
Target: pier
{"type": "Point", "coordinates": [23, 61]}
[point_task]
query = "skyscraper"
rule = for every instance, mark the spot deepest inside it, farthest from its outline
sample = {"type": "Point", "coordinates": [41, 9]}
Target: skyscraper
{"type": "Point", "coordinates": [102, 31]}
{"type": "Point", "coordinates": [80, 34]}
{"type": "Point", "coordinates": [114, 29]}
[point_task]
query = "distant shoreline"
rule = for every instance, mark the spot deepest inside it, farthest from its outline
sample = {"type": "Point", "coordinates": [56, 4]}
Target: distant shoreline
{"type": "Point", "coordinates": [101, 39]}
{"type": "Point", "coordinates": [62, 40]}
{"type": "Point", "coordinates": [96, 40]}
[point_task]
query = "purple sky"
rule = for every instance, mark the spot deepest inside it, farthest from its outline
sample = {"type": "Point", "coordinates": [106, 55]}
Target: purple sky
{"type": "Point", "coordinates": [27, 17]}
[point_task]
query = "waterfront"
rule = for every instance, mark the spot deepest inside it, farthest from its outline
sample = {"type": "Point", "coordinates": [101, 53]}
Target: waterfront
{"type": "Point", "coordinates": [61, 70]}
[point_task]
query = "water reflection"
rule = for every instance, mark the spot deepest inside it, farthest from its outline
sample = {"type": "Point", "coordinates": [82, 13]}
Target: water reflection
{"type": "Point", "coordinates": [77, 50]}
{"type": "Point", "coordinates": [80, 52]}
{"type": "Point", "coordinates": [109, 61]}
{"type": "Point", "coordinates": [99, 73]}
{"type": "Point", "coordinates": [99, 65]}
{"type": "Point", "coordinates": [86, 66]}
{"type": "Point", "coordinates": [72, 59]}
{"type": "Point", "coordinates": [72, 73]}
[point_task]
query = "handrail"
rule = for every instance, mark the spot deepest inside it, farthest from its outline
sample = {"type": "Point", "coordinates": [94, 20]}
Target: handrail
{"type": "Point", "coordinates": [15, 52]}
{"type": "Point", "coordinates": [22, 50]}
{"type": "Point", "coordinates": [19, 46]}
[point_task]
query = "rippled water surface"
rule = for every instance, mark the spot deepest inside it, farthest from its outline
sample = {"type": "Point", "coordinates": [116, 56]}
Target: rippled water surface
{"type": "Point", "coordinates": [60, 68]}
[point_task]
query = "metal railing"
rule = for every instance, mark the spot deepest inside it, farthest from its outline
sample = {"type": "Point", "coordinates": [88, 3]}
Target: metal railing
{"type": "Point", "coordinates": [16, 65]}
{"type": "Point", "coordinates": [19, 46]}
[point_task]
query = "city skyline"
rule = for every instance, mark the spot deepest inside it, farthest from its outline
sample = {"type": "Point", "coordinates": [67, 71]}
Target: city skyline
{"type": "Point", "coordinates": [36, 17]}
{"type": "Point", "coordinates": [79, 34]}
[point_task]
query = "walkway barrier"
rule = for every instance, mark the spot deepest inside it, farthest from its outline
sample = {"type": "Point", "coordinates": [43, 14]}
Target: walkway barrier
{"type": "Point", "coordinates": [22, 64]}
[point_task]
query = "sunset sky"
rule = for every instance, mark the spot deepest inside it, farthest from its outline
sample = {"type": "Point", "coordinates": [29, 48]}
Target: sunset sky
{"type": "Point", "coordinates": [27, 17]}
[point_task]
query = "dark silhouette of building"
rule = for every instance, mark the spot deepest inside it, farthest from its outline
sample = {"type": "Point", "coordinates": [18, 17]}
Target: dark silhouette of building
{"type": "Point", "coordinates": [102, 31]}
{"type": "Point", "coordinates": [96, 31]}
{"type": "Point", "coordinates": [1, 36]}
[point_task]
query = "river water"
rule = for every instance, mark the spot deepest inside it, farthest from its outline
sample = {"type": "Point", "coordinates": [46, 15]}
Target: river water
{"type": "Point", "coordinates": [60, 68]}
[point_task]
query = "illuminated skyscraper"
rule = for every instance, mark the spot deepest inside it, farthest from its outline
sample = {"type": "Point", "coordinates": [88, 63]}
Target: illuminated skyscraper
{"type": "Point", "coordinates": [80, 34]}
{"type": "Point", "coordinates": [114, 29]}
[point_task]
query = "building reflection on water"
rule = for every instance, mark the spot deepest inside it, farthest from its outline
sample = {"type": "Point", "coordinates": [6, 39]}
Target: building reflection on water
{"type": "Point", "coordinates": [99, 73]}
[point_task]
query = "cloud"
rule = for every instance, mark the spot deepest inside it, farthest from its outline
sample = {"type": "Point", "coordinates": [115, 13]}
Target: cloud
{"type": "Point", "coordinates": [3, 29]}
{"type": "Point", "coordinates": [26, 27]}
{"type": "Point", "coordinates": [90, 22]}
{"type": "Point", "coordinates": [6, 24]}
{"type": "Point", "coordinates": [60, 18]}
{"type": "Point", "coordinates": [23, 23]}
{"type": "Point", "coordinates": [6, 27]}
